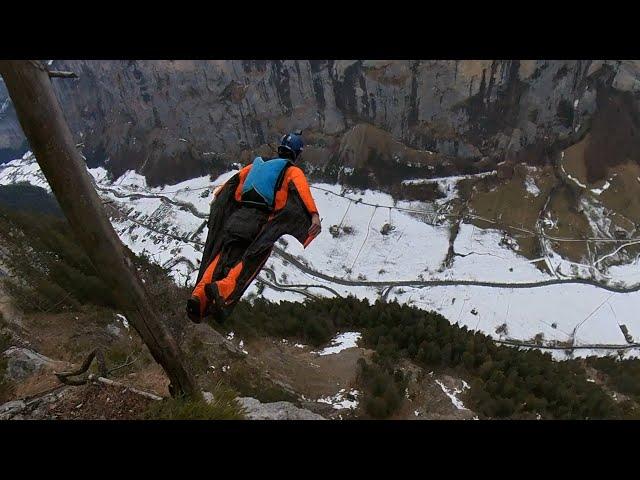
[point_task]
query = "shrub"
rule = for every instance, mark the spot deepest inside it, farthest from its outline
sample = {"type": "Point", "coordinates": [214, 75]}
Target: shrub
{"type": "Point", "coordinates": [223, 407]}
{"type": "Point", "coordinates": [383, 389]}
{"type": "Point", "coordinates": [505, 381]}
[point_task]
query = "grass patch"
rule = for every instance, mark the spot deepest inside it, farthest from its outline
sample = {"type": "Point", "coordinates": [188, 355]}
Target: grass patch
{"type": "Point", "coordinates": [250, 383]}
{"type": "Point", "coordinates": [223, 407]}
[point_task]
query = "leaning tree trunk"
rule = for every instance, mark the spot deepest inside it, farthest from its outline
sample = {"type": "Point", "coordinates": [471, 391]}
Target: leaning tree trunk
{"type": "Point", "coordinates": [44, 125]}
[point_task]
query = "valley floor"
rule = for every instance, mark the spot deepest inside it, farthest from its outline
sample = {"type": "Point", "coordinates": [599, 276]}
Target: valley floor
{"type": "Point", "coordinates": [396, 250]}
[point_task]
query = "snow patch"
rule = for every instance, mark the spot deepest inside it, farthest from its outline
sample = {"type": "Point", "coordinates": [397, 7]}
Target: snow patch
{"type": "Point", "coordinates": [598, 191]}
{"type": "Point", "coordinates": [341, 342]}
{"type": "Point", "coordinates": [123, 320]}
{"type": "Point", "coordinates": [451, 393]}
{"type": "Point", "coordinates": [531, 186]}
{"type": "Point", "coordinates": [573, 179]}
{"type": "Point", "coordinates": [342, 400]}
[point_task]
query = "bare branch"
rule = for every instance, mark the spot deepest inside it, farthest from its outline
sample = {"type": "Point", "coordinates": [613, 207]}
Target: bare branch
{"type": "Point", "coordinates": [64, 377]}
{"type": "Point", "coordinates": [113, 383]}
{"type": "Point", "coordinates": [61, 74]}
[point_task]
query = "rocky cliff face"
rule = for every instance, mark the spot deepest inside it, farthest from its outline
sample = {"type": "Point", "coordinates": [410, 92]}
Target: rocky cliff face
{"type": "Point", "coordinates": [172, 120]}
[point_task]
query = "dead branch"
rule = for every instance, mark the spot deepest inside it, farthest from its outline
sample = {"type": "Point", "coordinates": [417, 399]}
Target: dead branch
{"type": "Point", "coordinates": [96, 353]}
{"type": "Point", "coordinates": [126, 363]}
{"type": "Point", "coordinates": [113, 383]}
{"type": "Point", "coordinates": [61, 74]}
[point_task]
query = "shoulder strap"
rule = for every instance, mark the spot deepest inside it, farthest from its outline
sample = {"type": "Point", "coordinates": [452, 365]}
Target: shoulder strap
{"type": "Point", "coordinates": [282, 173]}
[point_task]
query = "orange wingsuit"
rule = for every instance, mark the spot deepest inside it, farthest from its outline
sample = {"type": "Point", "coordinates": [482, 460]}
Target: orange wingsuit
{"type": "Point", "coordinates": [241, 237]}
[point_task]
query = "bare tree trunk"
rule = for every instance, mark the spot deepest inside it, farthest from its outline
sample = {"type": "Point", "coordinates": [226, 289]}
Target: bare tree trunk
{"type": "Point", "coordinates": [44, 125]}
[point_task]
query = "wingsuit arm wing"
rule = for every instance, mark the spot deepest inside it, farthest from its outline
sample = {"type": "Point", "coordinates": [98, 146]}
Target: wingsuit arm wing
{"type": "Point", "coordinates": [302, 186]}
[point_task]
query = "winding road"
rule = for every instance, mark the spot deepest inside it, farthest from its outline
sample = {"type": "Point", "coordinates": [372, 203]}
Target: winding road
{"type": "Point", "coordinates": [370, 283]}
{"type": "Point", "coordinates": [387, 285]}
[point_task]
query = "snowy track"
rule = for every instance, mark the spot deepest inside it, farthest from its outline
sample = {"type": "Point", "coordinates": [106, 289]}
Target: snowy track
{"type": "Point", "coordinates": [445, 283]}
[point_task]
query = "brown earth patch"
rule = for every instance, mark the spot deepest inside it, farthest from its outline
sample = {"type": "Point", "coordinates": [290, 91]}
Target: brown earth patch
{"type": "Point", "coordinates": [98, 402]}
{"type": "Point", "coordinates": [570, 223]}
{"type": "Point", "coordinates": [508, 202]}
{"type": "Point", "coordinates": [574, 162]}
{"type": "Point", "coordinates": [427, 398]}
{"type": "Point", "coordinates": [623, 196]}
{"type": "Point", "coordinates": [307, 373]}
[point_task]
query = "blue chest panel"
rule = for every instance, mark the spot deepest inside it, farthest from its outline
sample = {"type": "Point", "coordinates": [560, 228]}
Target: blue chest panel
{"type": "Point", "coordinates": [263, 179]}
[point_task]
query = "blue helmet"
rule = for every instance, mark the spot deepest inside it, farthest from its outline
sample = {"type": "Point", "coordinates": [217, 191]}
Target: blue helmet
{"type": "Point", "coordinates": [291, 143]}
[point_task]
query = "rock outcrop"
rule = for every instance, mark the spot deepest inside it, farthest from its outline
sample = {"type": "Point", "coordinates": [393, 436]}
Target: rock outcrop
{"type": "Point", "coordinates": [23, 362]}
{"type": "Point", "coordinates": [275, 410]}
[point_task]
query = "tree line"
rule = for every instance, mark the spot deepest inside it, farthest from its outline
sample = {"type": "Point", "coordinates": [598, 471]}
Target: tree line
{"type": "Point", "coordinates": [506, 382]}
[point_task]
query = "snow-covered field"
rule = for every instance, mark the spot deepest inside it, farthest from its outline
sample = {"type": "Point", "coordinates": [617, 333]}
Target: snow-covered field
{"type": "Point", "coordinates": [383, 240]}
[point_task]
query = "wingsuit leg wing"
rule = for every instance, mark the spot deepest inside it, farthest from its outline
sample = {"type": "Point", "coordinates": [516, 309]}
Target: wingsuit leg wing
{"type": "Point", "coordinates": [222, 208]}
{"type": "Point", "coordinates": [292, 220]}
{"type": "Point", "coordinates": [231, 277]}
